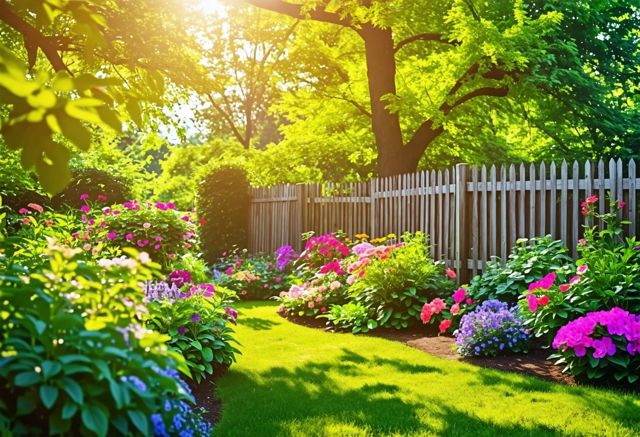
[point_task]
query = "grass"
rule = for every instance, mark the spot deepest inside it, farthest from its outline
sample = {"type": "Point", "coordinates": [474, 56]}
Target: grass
{"type": "Point", "coordinates": [298, 381]}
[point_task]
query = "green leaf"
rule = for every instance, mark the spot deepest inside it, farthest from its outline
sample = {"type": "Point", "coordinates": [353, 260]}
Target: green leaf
{"type": "Point", "coordinates": [95, 418]}
{"type": "Point", "coordinates": [50, 368]}
{"type": "Point", "coordinates": [116, 392]}
{"type": "Point", "coordinates": [48, 395]}
{"type": "Point", "coordinates": [140, 421]}
{"type": "Point", "coordinates": [25, 379]}
{"type": "Point", "coordinates": [25, 404]}
{"type": "Point", "coordinates": [69, 410]}
{"type": "Point", "coordinates": [207, 354]}
{"type": "Point", "coordinates": [73, 389]}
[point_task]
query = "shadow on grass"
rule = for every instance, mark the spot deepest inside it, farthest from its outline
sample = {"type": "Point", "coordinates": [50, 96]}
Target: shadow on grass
{"type": "Point", "coordinates": [257, 324]}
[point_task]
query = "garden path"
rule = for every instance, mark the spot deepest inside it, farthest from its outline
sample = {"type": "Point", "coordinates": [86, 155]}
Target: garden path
{"type": "Point", "coordinates": [297, 381]}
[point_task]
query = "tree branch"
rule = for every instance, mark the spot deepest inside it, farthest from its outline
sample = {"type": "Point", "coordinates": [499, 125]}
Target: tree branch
{"type": "Point", "coordinates": [234, 130]}
{"type": "Point", "coordinates": [484, 91]}
{"type": "Point", "coordinates": [436, 37]}
{"type": "Point", "coordinates": [296, 11]}
{"type": "Point", "coordinates": [33, 38]}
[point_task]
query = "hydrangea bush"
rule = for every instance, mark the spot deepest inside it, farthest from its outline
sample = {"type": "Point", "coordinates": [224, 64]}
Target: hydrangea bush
{"type": "Point", "coordinates": [491, 329]}
{"type": "Point", "coordinates": [601, 344]}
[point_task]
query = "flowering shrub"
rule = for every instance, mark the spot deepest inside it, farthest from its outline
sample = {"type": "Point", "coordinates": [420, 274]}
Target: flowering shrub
{"type": "Point", "coordinates": [492, 328]}
{"type": "Point", "coordinates": [396, 281]}
{"type": "Point", "coordinates": [528, 261]}
{"type": "Point", "coordinates": [285, 255]}
{"type": "Point", "coordinates": [313, 297]}
{"type": "Point", "coordinates": [158, 229]}
{"type": "Point", "coordinates": [75, 358]}
{"type": "Point", "coordinates": [601, 344]}
{"type": "Point", "coordinates": [196, 318]}
{"type": "Point", "coordinates": [446, 312]}
{"type": "Point", "coordinates": [100, 186]}
{"type": "Point", "coordinates": [252, 277]}
{"type": "Point", "coordinates": [324, 249]}
{"type": "Point", "coordinates": [607, 276]}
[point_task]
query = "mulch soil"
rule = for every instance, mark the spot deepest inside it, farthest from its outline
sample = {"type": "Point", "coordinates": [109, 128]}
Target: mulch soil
{"type": "Point", "coordinates": [204, 394]}
{"type": "Point", "coordinates": [534, 363]}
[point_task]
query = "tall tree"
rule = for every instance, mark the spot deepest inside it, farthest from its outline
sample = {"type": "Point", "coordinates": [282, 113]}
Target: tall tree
{"type": "Point", "coordinates": [486, 50]}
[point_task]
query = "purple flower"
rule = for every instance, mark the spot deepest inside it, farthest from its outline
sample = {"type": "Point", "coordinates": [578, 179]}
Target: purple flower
{"type": "Point", "coordinates": [182, 330]}
{"type": "Point", "coordinates": [180, 277]}
{"type": "Point", "coordinates": [195, 318]}
{"type": "Point", "coordinates": [284, 256]}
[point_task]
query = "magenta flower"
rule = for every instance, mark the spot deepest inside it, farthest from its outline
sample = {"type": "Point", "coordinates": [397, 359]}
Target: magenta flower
{"type": "Point", "coordinates": [582, 269]}
{"type": "Point", "coordinates": [459, 295]}
{"type": "Point", "coordinates": [532, 301]}
{"type": "Point", "coordinates": [84, 196]}
{"type": "Point", "coordinates": [128, 237]}
{"type": "Point", "coordinates": [111, 235]}
{"type": "Point", "coordinates": [603, 347]}
{"type": "Point", "coordinates": [23, 211]}
{"type": "Point", "coordinates": [85, 208]}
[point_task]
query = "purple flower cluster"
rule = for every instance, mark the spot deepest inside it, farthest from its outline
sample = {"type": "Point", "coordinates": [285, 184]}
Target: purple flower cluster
{"type": "Point", "coordinates": [491, 328]}
{"type": "Point", "coordinates": [180, 277]}
{"type": "Point", "coordinates": [284, 256]}
{"type": "Point", "coordinates": [161, 290]}
{"type": "Point", "coordinates": [599, 330]}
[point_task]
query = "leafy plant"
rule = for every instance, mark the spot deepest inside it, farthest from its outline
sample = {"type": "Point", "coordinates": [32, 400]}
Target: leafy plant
{"type": "Point", "coordinates": [223, 205]}
{"type": "Point", "coordinates": [100, 185]}
{"type": "Point", "coordinates": [314, 297]}
{"type": "Point", "coordinates": [529, 260]}
{"type": "Point", "coordinates": [75, 355]}
{"type": "Point", "coordinates": [196, 319]}
{"type": "Point", "coordinates": [395, 286]}
{"type": "Point", "coordinates": [351, 315]}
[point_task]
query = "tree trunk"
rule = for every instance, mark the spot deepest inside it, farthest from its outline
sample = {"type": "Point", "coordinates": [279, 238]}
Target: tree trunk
{"type": "Point", "coordinates": [381, 74]}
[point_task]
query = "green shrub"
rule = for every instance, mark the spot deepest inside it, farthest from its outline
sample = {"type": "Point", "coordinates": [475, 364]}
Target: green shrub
{"type": "Point", "coordinates": [76, 358]}
{"type": "Point", "coordinates": [223, 205]}
{"type": "Point", "coordinates": [98, 184]}
{"type": "Point", "coordinates": [352, 315]}
{"type": "Point", "coordinates": [196, 318]}
{"type": "Point", "coordinates": [529, 260]}
{"type": "Point", "coordinates": [314, 297]}
{"type": "Point", "coordinates": [395, 285]}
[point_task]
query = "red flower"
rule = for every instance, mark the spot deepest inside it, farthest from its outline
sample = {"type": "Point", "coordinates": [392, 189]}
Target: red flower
{"type": "Point", "coordinates": [202, 221]}
{"type": "Point", "coordinates": [444, 325]}
{"type": "Point", "coordinates": [543, 300]}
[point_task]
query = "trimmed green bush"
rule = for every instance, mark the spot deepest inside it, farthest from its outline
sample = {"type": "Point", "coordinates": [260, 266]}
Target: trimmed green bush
{"type": "Point", "coordinates": [98, 184]}
{"type": "Point", "coordinates": [223, 208]}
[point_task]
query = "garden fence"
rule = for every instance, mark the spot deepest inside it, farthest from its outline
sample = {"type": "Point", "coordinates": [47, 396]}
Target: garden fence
{"type": "Point", "coordinates": [472, 214]}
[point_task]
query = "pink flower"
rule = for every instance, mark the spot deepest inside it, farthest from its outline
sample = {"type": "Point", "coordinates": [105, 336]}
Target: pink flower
{"type": "Point", "coordinates": [171, 205]}
{"type": "Point", "coordinates": [438, 305]}
{"type": "Point", "coordinates": [455, 309]}
{"type": "Point", "coordinates": [532, 301]}
{"type": "Point", "coordinates": [335, 285]}
{"type": "Point", "coordinates": [25, 221]}
{"type": "Point", "coordinates": [36, 207]}
{"type": "Point", "coordinates": [426, 313]}
{"type": "Point", "coordinates": [603, 347]}
{"type": "Point", "coordinates": [229, 271]}
{"type": "Point", "coordinates": [469, 301]}
{"type": "Point", "coordinates": [311, 304]}
{"type": "Point", "coordinates": [146, 225]}
{"type": "Point", "coordinates": [444, 325]}
{"type": "Point", "coordinates": [592, 199]}
{"type": "Point", "coordinates": [574, 280]}
{"type": "Point", "coordinates": [157, 247]}
{"type": "Point", "coordinates": [583, 269]}
{"type": "Point", "coordinates": [621, 204]}
{"type": "Point", "coordinates": [84, 196]}
{"type": "Point", "coordinates": [582, 242]}
{"type": "Point", "coordinates": [459, 295]}
{"type": "Point", "coordinates": [128, 237]}
{"type": "Point", "coordinates": [23, 211]}
{"type": "Point", "coordinates": [277, 280]}
{"type": "Point", "coordinates": [102, 198]}
{"type": "Point", "coordinates": [87, 246]}
{"type": "Point", "coordinates": [451, 274]}
{"type": "Point", "coordinates": [186, 218]}
{"type": "Point", "coordinates": [115, 212]}
{"type": "Point", "coordinates": [564, 287]}
{"type": "Point", "coordinates": [323, 309]}
{"type": "Point", "coordinates": [111, 235]}
{"type": "Point", "coordinates": [85, 208]}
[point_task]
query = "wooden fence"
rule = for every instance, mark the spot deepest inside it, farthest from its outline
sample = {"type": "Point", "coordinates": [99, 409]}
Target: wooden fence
{"type": "Point", "coordinates": [471, 214]}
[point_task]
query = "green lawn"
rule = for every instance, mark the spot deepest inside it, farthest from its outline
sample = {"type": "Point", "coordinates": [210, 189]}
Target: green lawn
{"type": "Point", "coordinates": [298, 381]}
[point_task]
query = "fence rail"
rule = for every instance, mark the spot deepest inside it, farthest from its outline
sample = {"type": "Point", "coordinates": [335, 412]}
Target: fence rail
{"type": "Point", "coordinates": [472, 214]}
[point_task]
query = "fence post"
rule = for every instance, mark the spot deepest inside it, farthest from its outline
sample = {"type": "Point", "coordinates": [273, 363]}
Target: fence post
{"type": "Point", "coordinates": [372, 207]}
{"type": "Point", "coordinates": [461, 225]}
{"type": "Point", "coordinates": [301, 216]}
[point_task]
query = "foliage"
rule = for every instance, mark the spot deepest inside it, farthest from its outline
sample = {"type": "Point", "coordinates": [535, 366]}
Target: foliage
{"type": "Point", "coordinates": [608, 276]}
{"type": "Point", "coordinates": [100, 185]}
{"type": "Point", "coordinates": [194, 265]}
{"type": "Point", "coordinates": [351, 315]}
{"type": "Point", "coordinates": [74, 352]}
{"type": "Point", "coordinates": [395, 285]}
{"type": "Point", "coordinates": [223, 205]}
{"type": "Point", "coordinates": [196, 319]}
{"type": "Point", "coordinates": [446, 311]}
{"type": "Point", "coordinates": [529, 260]}
{"type": "Point", "coordinates": [492, 328]}
{"type": "Point", "coordinates": [251, 276]}
{"type": "Point", "coordinates": [601, 344]}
